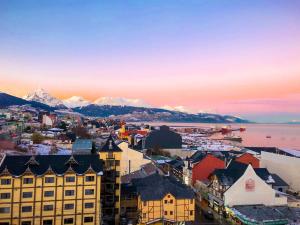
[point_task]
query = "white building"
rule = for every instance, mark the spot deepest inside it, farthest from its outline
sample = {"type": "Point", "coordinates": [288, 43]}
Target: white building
{"type": "Point", "coordinates": [132, 160]}
{"type": "Point", "coordinates": [250, 189]}
{"type": "Point", "coordinates": [287, 167]}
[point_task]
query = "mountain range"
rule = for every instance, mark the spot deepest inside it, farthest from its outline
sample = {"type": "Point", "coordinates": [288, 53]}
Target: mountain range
{"type": "Point", "coordinates": [117, 108]}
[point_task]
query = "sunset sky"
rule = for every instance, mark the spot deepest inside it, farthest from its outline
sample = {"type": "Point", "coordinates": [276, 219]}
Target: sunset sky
{"type": "Point", "coordinates": [228, 57]}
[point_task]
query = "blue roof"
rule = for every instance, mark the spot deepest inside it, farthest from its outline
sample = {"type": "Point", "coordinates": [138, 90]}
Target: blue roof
{"type": "Point", "coordinates": [82, 144]}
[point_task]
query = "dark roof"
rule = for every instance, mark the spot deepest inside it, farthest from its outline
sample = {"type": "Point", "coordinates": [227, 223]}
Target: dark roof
{"type": "Point", "coordinates": [235, 170]}
{"type": "Point", "coordinates": [270, 150]}
{"type": "Point", "coordinates": [278, 180]}
{"type": "Point", "coordinates": [163, 138]}
{"type": "Point", "coordinates": [199, 155]}
{"type": "Point", "coordinates": [261, 214]}
{"type": "Point", "coordinates": [59, 164]}
{"type": "Point", "coordinates": [155, 187]}
{"type": "Point", "coordinates": [176, 163]}
{"type": "Point", "coordinates": [110, 146]}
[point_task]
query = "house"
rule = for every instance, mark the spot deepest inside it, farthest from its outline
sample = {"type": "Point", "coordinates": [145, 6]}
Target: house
{"type": "Point", "coordinates": [132, 160]}
{"type": "Point", "coordinates": [111, 154]}
{"type": "Point", "coordinates": [163, 138]}
{"type": "Point", "coordinates": [286, 166]}
{"type": "Point", "coordinates": [205, 166]}
{"type": "Point", "coordinates": [242, 185]}
{"type": "Point", "coordinates": [167, 202]}
{"type": "Point", "coordinates": [248, 158]}
{"type": "Point", "coordinates": [44, 189]}
{"type": "Point", "coordinates": [49, 119]}
{"type": "Point", "coordinates": [82, 146]}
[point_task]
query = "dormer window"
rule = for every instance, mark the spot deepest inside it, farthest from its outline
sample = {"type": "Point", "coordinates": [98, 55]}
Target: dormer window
{"type": "Point", "coordinates": [72, 161]}
{"type": "Point", "coordinates": [32, 161]}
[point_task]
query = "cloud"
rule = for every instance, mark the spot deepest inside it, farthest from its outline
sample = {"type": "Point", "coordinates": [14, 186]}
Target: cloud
{"type": "Point", "coordinates": [121, 101]}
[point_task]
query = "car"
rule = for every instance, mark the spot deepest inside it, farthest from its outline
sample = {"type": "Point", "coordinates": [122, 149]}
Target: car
{"type": "Point", "coordinates": [208, 215]}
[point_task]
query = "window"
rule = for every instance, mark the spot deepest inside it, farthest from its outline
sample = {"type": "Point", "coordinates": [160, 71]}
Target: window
{"type": "Point", "coordinates": [144, 215]}
{"type": "Point", "coordinates": [191, 201]}
{"type": "Point", "coordinates": [4, 223]}
{"type": "Point", "coordinates": [26, 208]}
{"type": "Point", "coordinates": [26, 223]}
{"type": "Point", "coordinates": [69, 206]}
{"type": "Point", "coordinates": [5, 181]}
{"type": "Point", "coordinates": [49, 180]}
{"type": "Point", "coordinates": [145, 203]}
{"type": "Point", "coordinates": [89, 205]}
{"type": "Point", "coordinates": [4, 209]}
{"type": "Point", "coordinates": [88, 219]}
{"type": "Point", "coordinates": [69, 192]}
{"type": "Point", "coordinates": [48, 207]}
{"type": "Point", "coordinates": [48, 193]}
{"type": "Point", "coordinates": [171, 213]}
{"type": "Point", "coordinates": [27, 180]}
{"type": "Point", "coordinates": [166, 213]}
{"type": "Point", "coordinates": [70, 179]}
{"type": "Point", "coordinates": [5, 196]}
{"type": "Point", "coordinates": [27, 194]}
{"type": "Point", "coordinates": [68, 221]}
{"type": "Point", "coordinates": [171, 201]}
{"type": "Point", "coordinates": [191, 212]}
{"type": "Point", "coordinates": [89, 191]}
{"type": "Point", "coordinates": [117, 162]}
{"type": "Point", "coordinates": [166, 201]}
{"type": "Point", "coordinates": [47, 222]}
{"type": "Point", "coordinates": [89, 178]}
{"type": "Point", "coordinates": [169, 196]}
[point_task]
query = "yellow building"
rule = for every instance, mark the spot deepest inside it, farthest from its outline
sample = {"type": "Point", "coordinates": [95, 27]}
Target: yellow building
{"type": "Point", "coordinates": [111, 154]}
{"type": "Point", "coordinates": [161, 200]}
{"type": "Point", "coordinates": [50, 189]}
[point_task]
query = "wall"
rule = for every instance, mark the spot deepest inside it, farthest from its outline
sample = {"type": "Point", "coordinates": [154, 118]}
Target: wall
{"type": "Point", "coordinates": [58, 200]}
{"type": "Point", "coordinates": [286, 167]}
{"type": "Point", "coordinates": [177, 209]}
{"type": "Point", "coordinates": [244, 192]}
{"type": "Point", "coordinates": [136, 159]}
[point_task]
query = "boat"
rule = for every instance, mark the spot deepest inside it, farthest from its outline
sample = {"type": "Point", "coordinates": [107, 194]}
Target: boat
{"type": "Point", "coordinates": [242, 129]}
{"type": "Point", "coordinates": [268, 136]}
{"type": "Point", "coordinates": [233, 138]}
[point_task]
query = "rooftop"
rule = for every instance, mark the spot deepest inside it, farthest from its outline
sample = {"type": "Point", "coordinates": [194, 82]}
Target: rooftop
{"type": "Point", "coordinates": [17, 165]}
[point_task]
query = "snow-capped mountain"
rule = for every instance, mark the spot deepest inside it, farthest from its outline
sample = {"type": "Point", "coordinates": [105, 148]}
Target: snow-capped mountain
{"type": "Point", "coordinates": [42, 96]}
{"type": "Point", "coordinates": [76, 101]}
{"type": "Point", "coordinates": [118, 101]}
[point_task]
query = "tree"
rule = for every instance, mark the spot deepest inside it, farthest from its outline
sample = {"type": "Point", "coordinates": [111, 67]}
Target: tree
{"type": "Point", "coordinates": [62, 125]}
{"type": "Point", "coordinates": [37, 138]}
{"type": "Point", "coordinates": [81, 132]}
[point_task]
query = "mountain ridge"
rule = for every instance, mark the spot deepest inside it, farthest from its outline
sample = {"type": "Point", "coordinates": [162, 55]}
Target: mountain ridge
{"type": "Point", "coordinates": [127, 113]}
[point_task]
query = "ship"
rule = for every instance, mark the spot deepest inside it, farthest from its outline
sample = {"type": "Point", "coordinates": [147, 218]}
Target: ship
{"type": "Point", "coordinates": [233, 138]}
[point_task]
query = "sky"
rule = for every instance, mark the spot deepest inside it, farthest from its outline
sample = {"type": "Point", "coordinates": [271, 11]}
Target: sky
{"type": "Point", "coordinates": [229, 57]}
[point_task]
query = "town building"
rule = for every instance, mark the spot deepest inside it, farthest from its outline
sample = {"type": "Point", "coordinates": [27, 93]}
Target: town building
{"type": "Point", "coordinates": [49, 119]}
{"type": "Point", "coordinates": [82, 146]}
{"type": "Point", "coordinates": [111, 155]}
{"type": "Point", "coordinates": [205, 166]}
{"type": "Point", "coordinates": [248, 158]}
{"type": "Point", "coordinates": [132, 160]}
{"type": "Point", "coordinates": [168, 202]}
{"type": "Point", "coordinates": [50, 189]}
{"type": "Point", "coordinates": [286, 166]}
{"type": "Point", "coordinates": [242, 185]}
{"type": "Point", "coordinates": [163, 138]}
